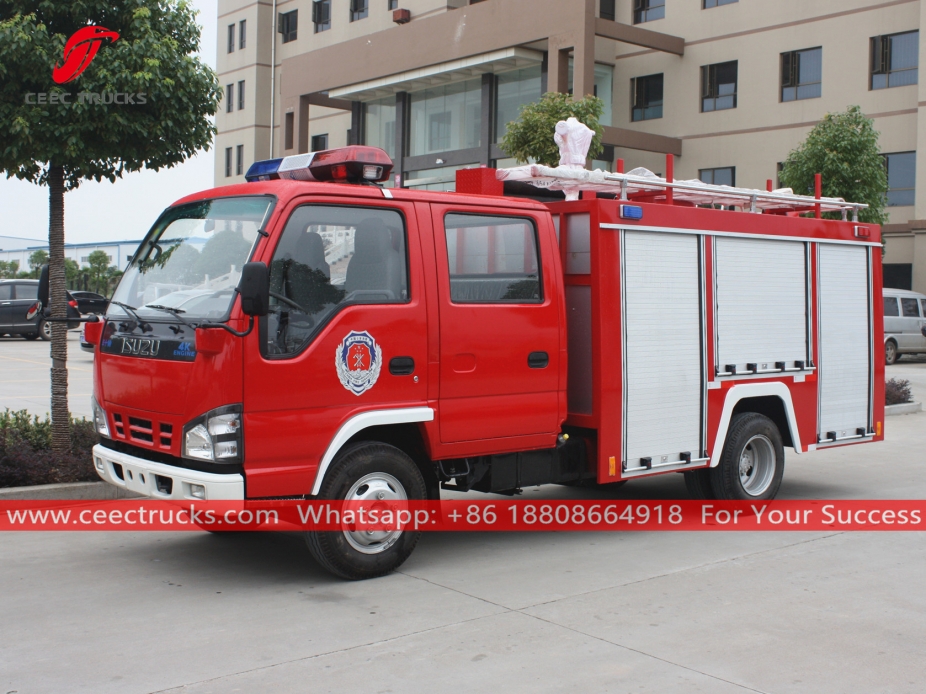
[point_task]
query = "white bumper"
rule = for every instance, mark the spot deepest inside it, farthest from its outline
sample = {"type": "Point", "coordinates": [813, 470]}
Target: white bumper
{"type": "Point", "coordinates": [143, 477]}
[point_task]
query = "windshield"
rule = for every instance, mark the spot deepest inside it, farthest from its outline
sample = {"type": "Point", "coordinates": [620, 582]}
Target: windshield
{"type": "Point", "coordinates": [192, 260]}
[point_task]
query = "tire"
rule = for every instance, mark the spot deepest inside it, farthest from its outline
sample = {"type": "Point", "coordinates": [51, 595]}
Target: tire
{"type": "Point", "coordinates": [44, 330]}
{"type": "Point", "coordinates": [890, 352]}
{"type": "Point", "coordinates": [698, 483]}
{"type": "Point", "coordinates": [360, 472]}
{"type": "Point", "coordinates": [753, 460]}
{"type": "Point", "coordinates": [31, 336]}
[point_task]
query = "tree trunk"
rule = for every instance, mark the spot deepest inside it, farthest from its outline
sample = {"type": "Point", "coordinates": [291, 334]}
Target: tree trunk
{"type": "Point", "coordinates": [60, 415]}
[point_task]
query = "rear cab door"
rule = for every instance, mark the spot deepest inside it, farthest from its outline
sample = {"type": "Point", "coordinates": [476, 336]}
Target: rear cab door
{"type": "Point", "coordinates": [502, 339]}
{"type": "Point", "coordinates": [25, 295]}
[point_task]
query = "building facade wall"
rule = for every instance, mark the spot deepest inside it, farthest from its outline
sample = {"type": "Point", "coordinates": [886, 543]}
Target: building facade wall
{"type": "Point", "coordinates": [753, 137]}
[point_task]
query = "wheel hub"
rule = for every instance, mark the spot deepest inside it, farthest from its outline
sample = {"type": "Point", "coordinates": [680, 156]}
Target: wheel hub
{"type": "Point", "coordinates": [757, 465]}
{"type": "Point", "coordinates": [375, 489]}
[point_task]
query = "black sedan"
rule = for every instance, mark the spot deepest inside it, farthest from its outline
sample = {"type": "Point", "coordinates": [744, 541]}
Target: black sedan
{"type": "Point", "coordinates": [16, 298]}
{"type": "Point", "coordinates": [91, 302]}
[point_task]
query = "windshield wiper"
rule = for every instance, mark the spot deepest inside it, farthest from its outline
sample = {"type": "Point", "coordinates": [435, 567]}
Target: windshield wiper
{"type": "Point", "coordinates": [170, 309]}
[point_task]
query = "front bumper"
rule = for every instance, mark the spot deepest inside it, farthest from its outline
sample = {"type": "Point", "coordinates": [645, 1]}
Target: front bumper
{"type": "Point", "coordinates": [160, 481]}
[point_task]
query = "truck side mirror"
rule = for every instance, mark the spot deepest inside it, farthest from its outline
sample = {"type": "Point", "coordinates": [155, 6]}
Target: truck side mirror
{"type": "Point", "coordinates": [254, 288]}
{"type": "Point", "coordinates": [43, 286]}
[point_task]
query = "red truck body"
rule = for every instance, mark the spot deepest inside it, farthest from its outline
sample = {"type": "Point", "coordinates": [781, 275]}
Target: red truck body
{"type": "Point", "coordinates": [619, 367]}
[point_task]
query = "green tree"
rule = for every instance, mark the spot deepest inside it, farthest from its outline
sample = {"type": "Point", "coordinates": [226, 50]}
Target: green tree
{"type": "Point", "coordinates": [173, 96]}
{"type": "Point", "coordinates": [843, 148]}
{"type": "Point", "coordinates": [98, 270]}
{"type": "Point", "coordinates": [222, 251]}
{"type": "Point", "coordinates": [71, 273]}
{"type": "Point", "coordinates": [531, 135]}
{"type": "Point", "coordinates": [36, 260]}
{"type": "Point", "coordinates": [9, 269]}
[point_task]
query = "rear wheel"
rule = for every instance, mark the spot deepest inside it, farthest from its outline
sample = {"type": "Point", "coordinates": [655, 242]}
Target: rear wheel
{"type": "Point", "coordinates": [44, 330]}
{"type": "Point", "coordinates": [753, 460]}
{"type": "Point", "coordinates": [890, 352]}
{"type": "Point", "coordinates": [368, 472]}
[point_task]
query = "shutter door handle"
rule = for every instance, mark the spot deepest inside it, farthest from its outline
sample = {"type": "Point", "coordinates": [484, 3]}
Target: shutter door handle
{"type": "Point", "coordinates": [401, 366]}
{"type": "Point", "coordinates": [538, 360]}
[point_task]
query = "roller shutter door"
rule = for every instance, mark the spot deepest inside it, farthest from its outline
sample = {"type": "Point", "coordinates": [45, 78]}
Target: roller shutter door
{"type": "Point", "coordinates": [662, 333]}
{"type": "Point", "coordinates": [845, 341]}
{"type": "Point", "coordinates": [761, 303]}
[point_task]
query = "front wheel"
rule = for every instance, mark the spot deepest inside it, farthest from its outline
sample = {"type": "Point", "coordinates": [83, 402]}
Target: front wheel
{"type": "Point", "coordinates": [753, 460]}
{"type": "Point", "coordinates": [368, 472]}
{"type": "Point", "coordinates": [890, 352]}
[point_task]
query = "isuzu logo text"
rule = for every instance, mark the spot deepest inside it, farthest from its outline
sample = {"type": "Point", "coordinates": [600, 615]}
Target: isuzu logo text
{"type": "Point", "coordinates": [140, 347]}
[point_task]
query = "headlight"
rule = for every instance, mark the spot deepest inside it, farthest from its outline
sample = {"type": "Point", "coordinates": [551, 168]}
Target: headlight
{"type": "Point", "coordinates": [99, 418]}
{"type": "Point", "coordinates": [216, 436]}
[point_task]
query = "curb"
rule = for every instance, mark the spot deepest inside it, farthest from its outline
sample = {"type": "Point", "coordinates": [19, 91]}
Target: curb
{"type": "Point", "coordinates": [905, 408]}
{"type": "Point", "coordinates": [75, 490]}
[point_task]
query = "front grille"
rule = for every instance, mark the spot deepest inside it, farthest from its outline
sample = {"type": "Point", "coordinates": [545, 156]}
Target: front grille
{"type": "Point", "coordinates": [141, 430]}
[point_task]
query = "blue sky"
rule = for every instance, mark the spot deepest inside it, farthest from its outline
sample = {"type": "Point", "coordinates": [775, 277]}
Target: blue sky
{"type": "Point", "coordinates": [112, 211]}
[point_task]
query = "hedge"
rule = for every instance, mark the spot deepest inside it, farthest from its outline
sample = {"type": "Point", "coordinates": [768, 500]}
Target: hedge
{"type": "Point", "coordinates": [26, 457]}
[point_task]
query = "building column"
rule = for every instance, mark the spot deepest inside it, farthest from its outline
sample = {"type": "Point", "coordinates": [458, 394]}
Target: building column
{"type": "Point", "coordinates": [302, 125]}
{"type": "Point", "coordinates": [357, 136]}
{"type": "Point", "coordinates": [487, 132]}
{"type": "Point", "coordinates": [558, 48]}
{"type": "Point", "coordinates": [402, 114]}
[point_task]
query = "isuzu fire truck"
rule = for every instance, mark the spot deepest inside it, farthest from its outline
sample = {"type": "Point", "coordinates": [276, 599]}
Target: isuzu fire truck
{"type": "Point", "coordinates": [310, 334]}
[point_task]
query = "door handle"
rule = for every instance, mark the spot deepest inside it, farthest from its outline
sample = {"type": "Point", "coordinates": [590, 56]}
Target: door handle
{"type": "Point", "coordinates": [538, 360]}
{"type": "Point", "coordinates": [6, 303]}
{"type": "Point", "coordinates": [401, 366]}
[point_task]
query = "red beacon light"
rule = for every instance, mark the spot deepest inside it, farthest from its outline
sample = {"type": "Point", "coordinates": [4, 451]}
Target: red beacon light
{"type": "Point", "coordinates": [354, 164]}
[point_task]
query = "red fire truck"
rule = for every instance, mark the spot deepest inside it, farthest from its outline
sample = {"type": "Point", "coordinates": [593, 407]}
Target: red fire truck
{"type": "Point", "coordinates": [310, 334]}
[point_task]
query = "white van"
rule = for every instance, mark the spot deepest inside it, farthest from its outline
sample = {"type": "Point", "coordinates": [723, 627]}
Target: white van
{"type": "Point", "coordinates": [904, 319]}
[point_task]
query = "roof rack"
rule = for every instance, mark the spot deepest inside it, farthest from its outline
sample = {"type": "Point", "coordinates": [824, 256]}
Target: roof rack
{"type": "Point", "coordinates": [641, 185]}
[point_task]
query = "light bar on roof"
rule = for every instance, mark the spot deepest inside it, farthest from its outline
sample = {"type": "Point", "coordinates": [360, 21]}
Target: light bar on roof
{"type": "Point", "coordinates": [354, 164]}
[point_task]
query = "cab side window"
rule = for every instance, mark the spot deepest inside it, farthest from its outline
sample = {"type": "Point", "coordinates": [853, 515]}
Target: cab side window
{"type": "Point", "coordinates": [330, 257]}
{"type": "Point", "coordinates": [492, 259]}
{"type": "Point", "coordinates": [890, 306]}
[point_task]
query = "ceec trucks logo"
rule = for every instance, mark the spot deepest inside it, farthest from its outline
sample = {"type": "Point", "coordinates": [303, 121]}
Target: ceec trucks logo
{"type": "Point", "coordinates": [358, 360]}
{"type": "Point", "coordinates": [80, 51]}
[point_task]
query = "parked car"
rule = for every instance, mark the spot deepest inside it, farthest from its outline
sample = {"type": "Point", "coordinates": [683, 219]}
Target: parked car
{"type": "Point", "coordinates": [904, 324]}
{"type": "Point", "coordinates": [91, 302]}
{"type": "Point", "coordinates": [16, 298]}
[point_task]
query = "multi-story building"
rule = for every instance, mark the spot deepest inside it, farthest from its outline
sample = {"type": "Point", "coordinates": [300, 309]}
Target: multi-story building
{"type": "Point", "coordinates": [729, 86]}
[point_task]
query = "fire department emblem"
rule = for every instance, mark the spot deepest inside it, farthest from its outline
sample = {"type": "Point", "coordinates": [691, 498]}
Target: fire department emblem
{"type": "Point", "coordinates": [358, 360]}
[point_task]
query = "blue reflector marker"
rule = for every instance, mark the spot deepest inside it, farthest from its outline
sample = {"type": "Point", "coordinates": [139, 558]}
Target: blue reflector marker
{"type": "Point", "coordinates": [631, 212]}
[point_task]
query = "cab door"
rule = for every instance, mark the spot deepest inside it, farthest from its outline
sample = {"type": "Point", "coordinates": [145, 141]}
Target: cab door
{"type": "Point", "coordinates": [500, 331]}
{"type": "Point", "coordinates": [346, 334]}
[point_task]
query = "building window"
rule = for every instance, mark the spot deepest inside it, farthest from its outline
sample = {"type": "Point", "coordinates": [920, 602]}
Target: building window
{"type": "Point", "coordinates": [895, 60]}
{"type": "Point", "coordinates": [901, 178]}
{"type": "Point", "coordinates": [239, 160]}
{"type": "Point", "coordinates": [228, 161]}
{"type": "Point", "coordinates": [241, 95]}
{"type": "Point", "coordinates": [648, 10]}
{"type": "Point", "coordinates": [319, 142]}
{"type": "Point", "coordinates": [393, 4]}
{"type": "Point", "coordinates": [242, 33]}
{"type": "Point", "coordinates": [801, 74]}
{"type": "Point", "coordinates": [231, 38]}
{"type": "Point", "coordinates": [606, 9]}
{"type": "Point", "coordinates": [289, 23]}
{"type": "Point", "coordinates": [725, 176]}
{"type": "Point", "coordinates": [718, 86]}
{"type": "Point", "coordinates": [646, 93]}
{"type": "Point", "coordinates": [708, 4]}
{"type": "Point", "coordinates": [289, 122]}
{"type": "Point", "coordinates": [512, 90]}
{"type": "Point", "coordinates": [379, 124]}
{"type": "Point", "coordinates": [321, 15]}
{"type": "Point", "coordinates": [448, 117]}
{"type": "Point", "coordinates": [229, 98]}
{"type": "Point", "coordinates": [359, 9]}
